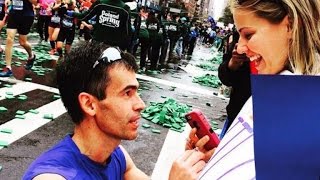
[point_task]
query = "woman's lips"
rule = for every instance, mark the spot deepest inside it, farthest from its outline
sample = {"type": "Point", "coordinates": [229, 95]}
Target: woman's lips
{"type": "Point", "coordinates": [256, 59]}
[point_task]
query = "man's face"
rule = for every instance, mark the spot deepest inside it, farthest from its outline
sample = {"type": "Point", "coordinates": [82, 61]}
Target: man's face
{"type": "Point", "coordinates": [118, 114]}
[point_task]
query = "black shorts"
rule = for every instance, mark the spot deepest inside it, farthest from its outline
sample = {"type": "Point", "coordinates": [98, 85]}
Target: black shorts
{"type": "Point", "coordinates": [21, 23]}
{"type": "Point", "coordinates": [1, 17]}
{"type": "Point", "coordinates": [54, 25]}
{"type": "Point", "coordinates": [66, 34]}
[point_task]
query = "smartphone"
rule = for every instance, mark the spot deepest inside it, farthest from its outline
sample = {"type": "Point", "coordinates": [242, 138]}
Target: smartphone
{"type": "Point", "coordinates": [196, 119]}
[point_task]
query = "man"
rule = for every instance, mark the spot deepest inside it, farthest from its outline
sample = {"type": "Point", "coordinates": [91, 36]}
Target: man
{"type": "Point", "coordinates": [113, 25]}
{"type": "Point", "coordinates": [20, 19]}
{"type": "Point", "coordinates": [173, 34]}
{"type": "Point", "coordinates": [100, 94]}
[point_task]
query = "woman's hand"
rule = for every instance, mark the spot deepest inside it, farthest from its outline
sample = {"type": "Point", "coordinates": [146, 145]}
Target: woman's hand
{"type": "Point", "coordinates": [237, 59]}
{"type": "Point", "coordinates": [194, 142]}
{"type": "Point", "coordinates": [188, 166]}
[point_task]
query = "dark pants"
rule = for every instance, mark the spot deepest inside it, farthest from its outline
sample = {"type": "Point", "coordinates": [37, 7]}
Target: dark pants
{"type": "Point", "coordinates": [185, 44]}
{"type": "Point", "coordinates": [42, 26]}
{"type": "Point", "coordinates": [164, 50]}
{"type": "Point", "coordinates": [145, 44]}
{"type": "Point", "coordinates": [155, 50]}
{"type": "Point", "coordinates": [192, 44]}
{"type": "Point", "coordinates": [173, 41]}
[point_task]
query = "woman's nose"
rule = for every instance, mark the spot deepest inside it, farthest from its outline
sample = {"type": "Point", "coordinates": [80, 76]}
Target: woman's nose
{"type": "Point", "coordinates": [242, 47]}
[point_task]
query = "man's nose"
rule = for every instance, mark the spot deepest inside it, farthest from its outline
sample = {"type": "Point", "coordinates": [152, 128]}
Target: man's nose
{"type": "Point", "coordinates": [140, 105]}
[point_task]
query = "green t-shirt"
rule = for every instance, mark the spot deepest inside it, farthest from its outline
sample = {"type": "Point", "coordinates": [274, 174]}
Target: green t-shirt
{"type": "Point", "coordinates": [113, 23]}
{"type": "Point", "coordinates": [143, 33]}
{"type": "Point", "coordinates": [173, 29]}
{"type": "Point", "coordinates": [153, 28]}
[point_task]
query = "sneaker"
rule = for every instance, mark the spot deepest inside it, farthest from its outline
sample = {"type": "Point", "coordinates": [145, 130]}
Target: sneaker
{"type": "Point", "coordinates": [30, 62]}
{"type": "Point", "coordinates": [6, 72]}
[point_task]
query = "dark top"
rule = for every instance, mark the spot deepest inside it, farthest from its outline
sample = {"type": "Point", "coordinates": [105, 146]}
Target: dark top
{"type": "Point", "coordinates": [153, 27]}
{"type": "Point", "coordinates": [239, 80]}
{"type": "Point", "coordinates": [21, 7]}
{"type": "Point", "coordinates": [173, 29]}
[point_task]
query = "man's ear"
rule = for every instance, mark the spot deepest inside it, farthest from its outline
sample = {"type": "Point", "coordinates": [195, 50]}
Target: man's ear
{"type": "Point", "coordinates": [88, 103]}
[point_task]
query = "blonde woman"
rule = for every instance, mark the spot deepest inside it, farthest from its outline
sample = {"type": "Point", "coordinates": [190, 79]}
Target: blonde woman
{"type": "Point", "coordinates": [279, 37]}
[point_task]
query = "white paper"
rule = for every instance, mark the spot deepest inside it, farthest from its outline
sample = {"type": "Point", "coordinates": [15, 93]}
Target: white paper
{"type": "Point", "coordinates": [234, 157]}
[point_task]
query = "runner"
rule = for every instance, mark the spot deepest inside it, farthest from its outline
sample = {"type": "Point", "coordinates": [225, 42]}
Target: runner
{"type": "Point", "coordinates": [20, 19]}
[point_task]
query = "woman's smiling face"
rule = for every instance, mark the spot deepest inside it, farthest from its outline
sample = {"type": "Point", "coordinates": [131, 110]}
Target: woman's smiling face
{"type": "Point", "coordinates": [264, 43]}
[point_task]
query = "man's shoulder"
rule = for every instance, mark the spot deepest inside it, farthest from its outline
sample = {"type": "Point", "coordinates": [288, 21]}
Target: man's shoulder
{"type": "Point", "coordinates": [57, 160]}
{"type": "Point", "coordinates": [51, 162]}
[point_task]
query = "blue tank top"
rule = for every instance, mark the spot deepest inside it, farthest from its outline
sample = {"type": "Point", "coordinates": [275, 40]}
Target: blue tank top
{"type": "Point", "coordinates": [66, 160]}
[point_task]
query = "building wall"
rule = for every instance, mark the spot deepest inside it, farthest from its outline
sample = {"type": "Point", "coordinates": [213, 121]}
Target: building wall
{"type": "Point", "coordinates": [216, 8]}
{"type": "Point", "coordinates": [190, 5]}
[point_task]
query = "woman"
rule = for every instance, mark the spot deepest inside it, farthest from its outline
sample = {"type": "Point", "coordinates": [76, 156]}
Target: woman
{"type": "Point", "coordinates": [44, 19]}
{"type": "Point", "coordinates": [67, 27]}
{"type": "Point", "coordinates": [280, 37]}
{"type": "Point", "coordinates": [54, 25]}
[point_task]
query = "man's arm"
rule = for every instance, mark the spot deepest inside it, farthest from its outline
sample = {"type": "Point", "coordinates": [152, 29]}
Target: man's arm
{"type": "Point", "coordinates": [49, 176]}
{"type": "Point", "coordinates": [132, 172]}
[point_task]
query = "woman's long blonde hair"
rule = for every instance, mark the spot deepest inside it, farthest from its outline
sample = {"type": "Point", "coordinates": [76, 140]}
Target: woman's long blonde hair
{"type": "Point", "coordinates": [304, 48]}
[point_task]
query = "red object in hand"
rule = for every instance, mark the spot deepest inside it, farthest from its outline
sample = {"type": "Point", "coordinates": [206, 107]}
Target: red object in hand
{"type": "Point", "coordinates": [196, 119]}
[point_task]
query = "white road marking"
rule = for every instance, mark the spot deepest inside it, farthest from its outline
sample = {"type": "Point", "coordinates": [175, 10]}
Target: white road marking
{"type": "Point", "coordinates": [22, 127]}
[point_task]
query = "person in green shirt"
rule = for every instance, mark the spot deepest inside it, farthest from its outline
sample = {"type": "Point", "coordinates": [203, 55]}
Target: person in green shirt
{"type": "Point", "coordinates": [113, 24]}
{"type": "Point", "coordinates": [174, 34]}
{"type": "Point", "coordinates": [165, 41]}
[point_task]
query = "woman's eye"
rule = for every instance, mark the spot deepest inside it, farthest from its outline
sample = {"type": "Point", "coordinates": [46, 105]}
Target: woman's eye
{"type": "Point", "coordinates": [248, 36]}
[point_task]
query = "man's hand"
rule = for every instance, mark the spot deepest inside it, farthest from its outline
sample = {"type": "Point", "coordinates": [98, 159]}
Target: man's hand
{"type": "Point", "coordinates": [188, 166]}
{"type": "Point", "coordinates": [194, 142]}
{"type": "Point", "coordinates": [237, 59]}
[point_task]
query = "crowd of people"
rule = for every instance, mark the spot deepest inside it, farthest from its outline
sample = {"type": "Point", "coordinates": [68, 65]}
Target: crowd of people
{"type": "Point", "coordinates": [98, 85]}
{"type": "Point", "coordinates": [163, 37]}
